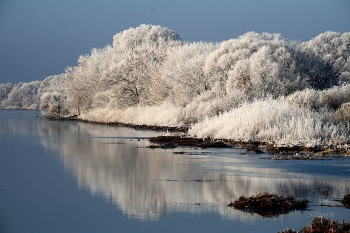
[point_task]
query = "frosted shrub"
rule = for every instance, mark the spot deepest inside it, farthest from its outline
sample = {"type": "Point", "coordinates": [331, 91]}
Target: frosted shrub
{"type": "Point", "coordinates": [162, 115]}
{"type": "Point", "coordinates": [328, 99]}
{"type": "Point", "coordinates": [53, 104]}
{"type": "Point", "coordinates": [343, 113]}
{"type": "Point", "coordinates": [211, 103]}
{"type": "Point", "coordinates": [334, 97]}
{"type": "Point", "coordinates": [197, 111]}
{"type": "Point", "coordinates": [308, 98]}
{"type": "Point", "coordinates": [272, 121]}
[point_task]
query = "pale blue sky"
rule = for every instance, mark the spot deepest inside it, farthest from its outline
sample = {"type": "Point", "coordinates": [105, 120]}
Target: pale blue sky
{"type": "Point", "coordinates": [42, 37]}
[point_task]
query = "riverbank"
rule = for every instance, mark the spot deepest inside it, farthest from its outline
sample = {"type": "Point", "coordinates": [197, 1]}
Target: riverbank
{"type": "Point", "coordinates": [178, 136]}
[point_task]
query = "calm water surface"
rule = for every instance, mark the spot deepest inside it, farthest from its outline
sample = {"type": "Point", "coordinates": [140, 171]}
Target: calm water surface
{"type": "Point", "coordinates": [61, 176]}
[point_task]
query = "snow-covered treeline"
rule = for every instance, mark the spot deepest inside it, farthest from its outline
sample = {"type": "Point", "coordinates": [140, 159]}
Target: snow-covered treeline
{"type": "Point", "coordinates": [255, 87]}
{"type": "Point", "coordinates": [27, 95]}
{"type": "Point", "coordinates": [19, 96]}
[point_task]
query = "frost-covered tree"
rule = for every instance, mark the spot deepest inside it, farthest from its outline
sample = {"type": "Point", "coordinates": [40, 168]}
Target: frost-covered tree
{"type": "Point", "coordinates": [51, 84]}
{"type": "Point", "coordinates": [52, 104]}
{"type": "Point", "coordinates": [83, 82]}
{"type": "Point", "coordinates": [264, 74]}
{"type": "Point", "coordinates": [312, 70]}
{"type": "Point", "coordinates": [130, 70]}
{"type": "Point", "coordinates": [137, 76]}
{"type": "Point", "coordinates": [145, 36]}
{"type": "Point", "coordinates": [131, 78]}
{"type": "Point", "coordinates": [221, 62]}
{"type": "Point", "coordinates": [334, 48]}
{"type": "Point", "coordinates": [183, 71]}
{"type": "Point", "coordinates": [53, 96]}
{"type": "Point", "coordinates": [266, 64]}
{"type": "Point", "coordinates": [78, 93]}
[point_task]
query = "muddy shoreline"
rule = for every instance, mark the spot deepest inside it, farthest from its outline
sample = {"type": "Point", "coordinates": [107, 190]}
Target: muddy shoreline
{"type": "Point", "coordinates": [252, 147]}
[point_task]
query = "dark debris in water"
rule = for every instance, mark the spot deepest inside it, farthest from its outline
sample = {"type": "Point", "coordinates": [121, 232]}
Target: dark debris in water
{"type": "Point", "coordinates": [114, 143]}
{"type": "Point", "coordinates": [191, 153]}
{"type": "Point", "coordinates": [162, 146]}
{"type": "Point", "coordinates": [181, 141]}
{"type": "Point", "coordinates": [188, 141]}
{"type": "Point", "coordinates": [330, 205]}
{"type": "Point", "coordinates": [269, 205]}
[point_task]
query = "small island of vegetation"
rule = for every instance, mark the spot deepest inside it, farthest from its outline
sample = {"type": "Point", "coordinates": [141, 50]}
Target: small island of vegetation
{"type": "Point", "coordinates": [269, 205]}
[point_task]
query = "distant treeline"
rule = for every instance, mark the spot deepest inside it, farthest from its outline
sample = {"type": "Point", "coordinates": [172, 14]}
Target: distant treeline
{"type": "Point", "coordinates": [26, 95]}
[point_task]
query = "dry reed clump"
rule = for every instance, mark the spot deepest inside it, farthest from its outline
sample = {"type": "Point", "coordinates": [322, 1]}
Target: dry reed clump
{"type": "Point", "coordinates": [269, 205]}
{"type": "Point", "coordinates": [346, 201]}
{"type": "Point", "coordinates": [320, 224]}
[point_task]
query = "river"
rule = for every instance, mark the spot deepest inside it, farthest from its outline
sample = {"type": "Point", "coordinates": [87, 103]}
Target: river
{"type": "Point", "coordinates": [71, 176]}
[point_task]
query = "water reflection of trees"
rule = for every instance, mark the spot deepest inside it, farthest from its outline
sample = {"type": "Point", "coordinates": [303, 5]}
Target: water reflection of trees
{"type": "Point", "coordinates": [113, 162]}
